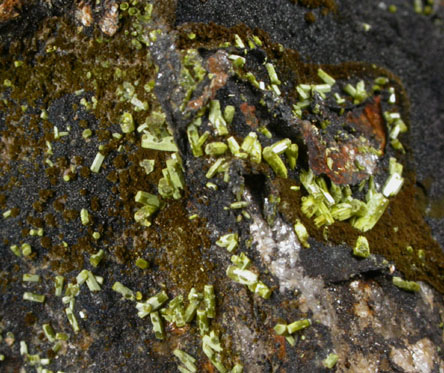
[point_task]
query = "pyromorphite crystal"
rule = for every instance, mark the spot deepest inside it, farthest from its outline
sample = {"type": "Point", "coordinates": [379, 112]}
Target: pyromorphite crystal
{"type": "Point", "coordinates": [362, 248]}
{"type": "Point", "coordinates": [127, 123]}
{"type": "Point", "coordinates": [298, 325]}
{"type": "Point", "coordinates": [406, 285]}
{"type": "Point", "coordinates": [330, 361]}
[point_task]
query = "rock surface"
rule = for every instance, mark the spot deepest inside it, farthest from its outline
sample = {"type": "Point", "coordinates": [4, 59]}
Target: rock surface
{"type": "Point", "coordinates": [174, 65]}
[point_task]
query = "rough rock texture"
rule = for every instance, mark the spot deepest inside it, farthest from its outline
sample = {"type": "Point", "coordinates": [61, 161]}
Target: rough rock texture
{"type": "Point", "coordinates": [355, 310]}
